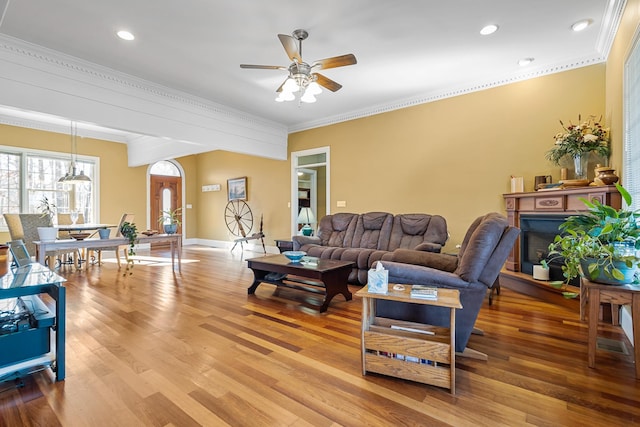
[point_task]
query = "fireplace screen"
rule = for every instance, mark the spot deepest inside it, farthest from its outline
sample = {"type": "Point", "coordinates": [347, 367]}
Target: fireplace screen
{"type": "Point", "coordinates": [536, 234]}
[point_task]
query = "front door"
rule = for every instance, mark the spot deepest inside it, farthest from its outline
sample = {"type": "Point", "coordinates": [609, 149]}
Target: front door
{"type": "Point", "coordinates": [166, 194]}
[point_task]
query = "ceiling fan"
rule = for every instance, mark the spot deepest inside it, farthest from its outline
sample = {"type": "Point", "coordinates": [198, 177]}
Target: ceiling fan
{"type": "Point", "coordinates": [302, 76]}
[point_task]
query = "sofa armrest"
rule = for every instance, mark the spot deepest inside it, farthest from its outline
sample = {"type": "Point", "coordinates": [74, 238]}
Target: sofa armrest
{"type": "Point", "coordinates": [428, 247]}
{"type": "Point", "coordinates": [443, 262]}
{"type": "Point", "coordinates": [420, 275]}
{"type": "Point", "coordinates": [299, 241]}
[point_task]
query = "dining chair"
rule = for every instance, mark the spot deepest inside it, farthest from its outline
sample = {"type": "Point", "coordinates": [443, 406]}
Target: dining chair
{"type": "Point", "coordinates": [125, 218]}
{"type": "Point", "coordinates": [65, 219]}
{"type": "Point", "coordinates": [30, 224]}
{"type": "Point", "coordinates": [81, 254]}
{"type": "Point", "coordinates": [14, 225]}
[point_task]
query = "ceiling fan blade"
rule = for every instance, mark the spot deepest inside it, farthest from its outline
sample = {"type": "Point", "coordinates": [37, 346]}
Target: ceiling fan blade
{"type": "Point", "coordinates": [289, 44]}
{"type": "Point", "coordinates": [263, 67]}
{"type": "Point", "coordinates": [280, 87]}
{"type": "Point", "coordinates": [336, 61]}
{"type": "Point", "coordinates": [327, 82]}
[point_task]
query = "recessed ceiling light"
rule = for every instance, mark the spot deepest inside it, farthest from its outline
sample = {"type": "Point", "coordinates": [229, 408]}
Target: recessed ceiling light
{"type": "Point", "coordinates": [581, 25]}
{"type": "Point", "coordinates": [525, 61]}
{"type": "Point", "coordinates": [489, 29]}
{"type": "Point", "coordinates": [125, 35]}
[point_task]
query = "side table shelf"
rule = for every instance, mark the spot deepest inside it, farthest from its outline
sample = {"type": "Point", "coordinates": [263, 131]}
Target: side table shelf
{"type": "Point", "coordinates": [40, 343]}
{"type": "Point", "coordinates": [412, 351]}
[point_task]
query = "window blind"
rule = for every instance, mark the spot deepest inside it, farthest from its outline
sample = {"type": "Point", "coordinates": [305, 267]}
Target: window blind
{"type": "Point", "coordinates": [631, 105]}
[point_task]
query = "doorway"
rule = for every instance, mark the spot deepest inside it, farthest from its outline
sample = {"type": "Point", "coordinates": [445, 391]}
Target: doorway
{"type": "Point", "coordinates": [165, 192]}
{"type": "Point", "coordinates": [309, 185]}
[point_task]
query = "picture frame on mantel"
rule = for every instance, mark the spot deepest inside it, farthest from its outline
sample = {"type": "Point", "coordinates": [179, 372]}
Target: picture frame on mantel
{"type": "Point", "coordinates": [237, 188]}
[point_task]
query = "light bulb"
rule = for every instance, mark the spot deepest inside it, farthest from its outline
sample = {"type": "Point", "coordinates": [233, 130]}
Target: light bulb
{"type": "Point", "coordinates": [581, 25]}
{"type": "Point", "coordinates": [308, 97]}
{"type": "Point", "coordinates": [489, 29]}
{"type": "Point", "coordinates": [290, 86]}
{"type": "Point", "coordinates": [313, 89]}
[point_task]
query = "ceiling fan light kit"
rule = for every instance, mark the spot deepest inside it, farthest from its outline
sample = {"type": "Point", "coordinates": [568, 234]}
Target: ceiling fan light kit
{"type": "Point", "coordinates": [303, 78]}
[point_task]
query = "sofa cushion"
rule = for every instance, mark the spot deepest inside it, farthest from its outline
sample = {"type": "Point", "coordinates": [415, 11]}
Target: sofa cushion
{"type": "Point", "coordinates": [411, 230]}
{"type": "Point", "coordinates": [372, 231]}
{"type": "Point", "coordinates": [337, 229]}
{"type": "Point", "coordinates": [444, 262]}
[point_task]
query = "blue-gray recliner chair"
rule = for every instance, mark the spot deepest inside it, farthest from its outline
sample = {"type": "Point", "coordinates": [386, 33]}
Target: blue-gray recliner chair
{"type": "Point", "coordinates": [473, 270]}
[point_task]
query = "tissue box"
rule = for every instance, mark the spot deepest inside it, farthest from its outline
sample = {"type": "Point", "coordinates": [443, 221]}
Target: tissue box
{"type": "Point", "coordinates": [378, 281]}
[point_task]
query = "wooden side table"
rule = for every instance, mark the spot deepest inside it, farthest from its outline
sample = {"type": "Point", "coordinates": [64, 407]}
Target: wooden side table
{"type": "Point", "coordinates": [616, 295]}
{"type": "Point", "coordinates": [413, 351]}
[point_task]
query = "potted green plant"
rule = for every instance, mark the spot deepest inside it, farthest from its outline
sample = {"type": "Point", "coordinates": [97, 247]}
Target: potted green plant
{"type": "Point", "coordinates": [601, 244]}
{"type": "Point", "coordinates": [48, 210]}
{"type": "Point", "coordinates": [130, 232]}
{"type": "Point", "coordinates": [170, 220]}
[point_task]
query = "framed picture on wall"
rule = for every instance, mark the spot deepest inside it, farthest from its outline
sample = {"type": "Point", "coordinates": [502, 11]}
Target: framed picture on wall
{"type": "Point", "coordinates": [237, 188]}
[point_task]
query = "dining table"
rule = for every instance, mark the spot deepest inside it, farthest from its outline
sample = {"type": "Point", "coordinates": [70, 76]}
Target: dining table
{"type": "Point", "coordinates": [175, 241]}
{"type": "Point", "coordinates": [83, 227]}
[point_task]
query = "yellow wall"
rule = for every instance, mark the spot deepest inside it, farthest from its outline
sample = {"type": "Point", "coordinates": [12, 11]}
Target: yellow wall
{"type": "Point", "coordinates": [122, 188]}
{"type": "Point", "coordinates": [615, 79]}
{"type": "Point", "coordinates": [454, 157]}
{"type": "Point", "coordinates": [268, 192]}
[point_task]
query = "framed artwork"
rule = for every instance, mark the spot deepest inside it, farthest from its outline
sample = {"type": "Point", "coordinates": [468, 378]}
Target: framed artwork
{"type": "Point", "coordinates": [237, 188]}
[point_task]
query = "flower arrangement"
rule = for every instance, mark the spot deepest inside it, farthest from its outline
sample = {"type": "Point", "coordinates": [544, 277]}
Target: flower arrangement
{"type": "Point", "coordinates": [585, 137]}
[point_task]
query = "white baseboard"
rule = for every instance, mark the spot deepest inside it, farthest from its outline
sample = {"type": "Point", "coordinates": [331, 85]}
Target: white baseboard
{"type": "Point", "coordinates": [250, 246]}
{"type": "Point", "coordinates": [625, 322]}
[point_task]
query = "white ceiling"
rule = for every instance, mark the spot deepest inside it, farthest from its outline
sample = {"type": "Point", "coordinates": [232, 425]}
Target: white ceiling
{"type": "Point", "coordinates": [408, 51]}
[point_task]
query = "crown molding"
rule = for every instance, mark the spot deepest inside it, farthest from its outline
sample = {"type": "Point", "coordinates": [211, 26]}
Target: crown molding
{"type": "Point", "coordinates": [604, 42]}
{"type": "Point", "coordinates": [444, 93]}
{"type": "Point", "coordinates": [609, 28]}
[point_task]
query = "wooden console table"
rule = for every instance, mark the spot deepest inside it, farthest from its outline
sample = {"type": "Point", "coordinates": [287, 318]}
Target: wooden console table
{"type": "Point", "coordinates": [428, 351]}
{"type": "Point", "coordinates": [618, 295]}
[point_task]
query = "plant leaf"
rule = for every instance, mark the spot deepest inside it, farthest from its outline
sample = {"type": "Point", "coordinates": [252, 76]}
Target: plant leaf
{"type": "Point", "coordinates": [617, 274]}
{"type": "Point", "coordinates": [624, 193]}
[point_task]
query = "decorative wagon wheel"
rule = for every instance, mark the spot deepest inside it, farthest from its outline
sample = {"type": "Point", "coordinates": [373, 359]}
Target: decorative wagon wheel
{"type": "Point", "coordinates": [238, 217]}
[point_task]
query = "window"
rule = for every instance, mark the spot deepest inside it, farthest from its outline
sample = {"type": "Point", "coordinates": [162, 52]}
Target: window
{"type": "Point", "coordinates": [165, 168]}
{"type": "Point", "coordinates": [26, 176]}
{"type": "Point", "coordinates": [631, 153]}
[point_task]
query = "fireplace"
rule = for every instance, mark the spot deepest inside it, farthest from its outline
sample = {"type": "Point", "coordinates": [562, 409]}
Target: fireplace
{"type": "Point", "coordinates": [538, 215]}
{"type": "Point", "coordinates": [536, 233]}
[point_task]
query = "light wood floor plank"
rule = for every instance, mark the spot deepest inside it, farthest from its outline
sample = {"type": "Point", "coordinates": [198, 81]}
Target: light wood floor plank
{"type": "Point", "coordinates": [159, 348]}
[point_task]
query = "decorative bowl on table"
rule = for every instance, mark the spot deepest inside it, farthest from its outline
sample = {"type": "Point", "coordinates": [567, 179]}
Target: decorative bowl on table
{"type": "Point", "coordinates": [294, 256]}
{"type": "Point", "coordinates": [79, 236]}
{"type": "Point", "coordinates": [150, 232]}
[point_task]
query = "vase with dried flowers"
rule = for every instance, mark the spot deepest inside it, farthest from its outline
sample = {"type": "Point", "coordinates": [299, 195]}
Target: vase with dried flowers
{"type": "Point", "coordinates": [578, 141]}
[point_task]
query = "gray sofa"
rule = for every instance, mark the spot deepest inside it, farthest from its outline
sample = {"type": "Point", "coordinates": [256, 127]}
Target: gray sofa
{"type": "Point", "coordinates": [373, 236]}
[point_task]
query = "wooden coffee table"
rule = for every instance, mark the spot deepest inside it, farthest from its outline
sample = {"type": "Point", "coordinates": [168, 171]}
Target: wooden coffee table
{"type": "Point", "coordinates": [328, 276]}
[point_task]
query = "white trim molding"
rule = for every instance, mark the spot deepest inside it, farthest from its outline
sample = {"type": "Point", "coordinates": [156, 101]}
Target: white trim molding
{"type": "Point", "coordinates": [162, 123]}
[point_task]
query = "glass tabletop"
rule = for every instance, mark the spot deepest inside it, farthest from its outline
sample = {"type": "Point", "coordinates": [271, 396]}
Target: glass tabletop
{"type": "Point", "coordinates": [29, 275]}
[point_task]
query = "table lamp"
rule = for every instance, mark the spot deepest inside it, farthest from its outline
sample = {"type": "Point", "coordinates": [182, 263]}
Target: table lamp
{"type": "Point", "coordinates": [306, 217]}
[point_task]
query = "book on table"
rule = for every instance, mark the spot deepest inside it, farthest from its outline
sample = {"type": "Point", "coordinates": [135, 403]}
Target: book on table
{"type": "Point", "coordinates": [424, 292]}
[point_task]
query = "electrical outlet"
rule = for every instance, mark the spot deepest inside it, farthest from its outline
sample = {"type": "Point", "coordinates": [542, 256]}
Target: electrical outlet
{"type": "Point", "coordinates": [341, 204]}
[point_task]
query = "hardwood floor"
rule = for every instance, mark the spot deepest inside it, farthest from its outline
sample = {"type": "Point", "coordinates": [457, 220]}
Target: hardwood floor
{"type": "Point", "coordinates": [158, 349]}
